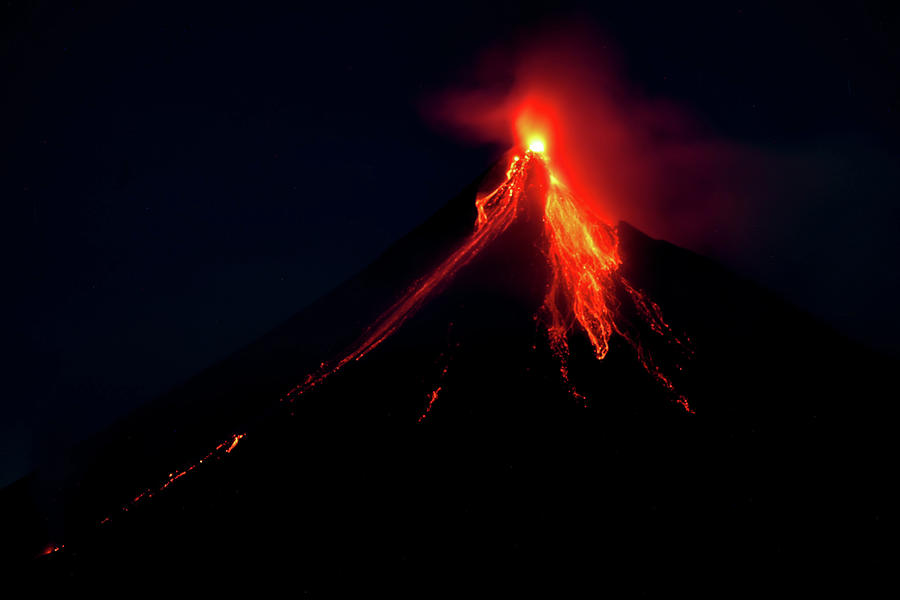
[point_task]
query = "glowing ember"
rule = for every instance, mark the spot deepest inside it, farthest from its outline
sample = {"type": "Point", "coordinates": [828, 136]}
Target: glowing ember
{"type": "Point", "coordinates": [234, 443]}
{"type": "Point", "coordinates": [218, 452]}
{"type": "Point", "coordinates": [432, 398]}
{"type": "Point", "coordinates": [51, 549]}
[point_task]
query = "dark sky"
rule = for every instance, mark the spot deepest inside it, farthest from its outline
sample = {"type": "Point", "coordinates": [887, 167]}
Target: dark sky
{"type": "Point", "coordinates": [177, 180]}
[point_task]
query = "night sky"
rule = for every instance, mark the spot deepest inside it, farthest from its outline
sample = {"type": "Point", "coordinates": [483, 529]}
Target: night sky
{"type": "Point", "coordinates": [178, 180]}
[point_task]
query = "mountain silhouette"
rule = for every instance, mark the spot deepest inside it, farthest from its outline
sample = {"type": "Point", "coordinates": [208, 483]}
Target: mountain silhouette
{"type": "Point", "coordinates": [453, 456]}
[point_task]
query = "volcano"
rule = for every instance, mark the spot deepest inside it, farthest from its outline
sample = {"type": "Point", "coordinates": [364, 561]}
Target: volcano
{"type": "Point", "coordinates": [514, 394]}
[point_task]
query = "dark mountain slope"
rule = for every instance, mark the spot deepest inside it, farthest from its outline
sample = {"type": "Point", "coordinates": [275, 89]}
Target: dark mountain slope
{"type": "Point", "coordinates": [777, 477]}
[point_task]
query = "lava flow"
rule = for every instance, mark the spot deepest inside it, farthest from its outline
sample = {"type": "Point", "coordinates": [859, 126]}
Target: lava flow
{"type": "Point", "coordinates": [584, 291]}
{"type": "Point", "coordinates": [496, 211]}
{"type": "Point", "coordinates": [586, 284]}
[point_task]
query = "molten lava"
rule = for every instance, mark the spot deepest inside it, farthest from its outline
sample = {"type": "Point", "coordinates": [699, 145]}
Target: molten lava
{"type": "Point", "coordinates": [586, 285]}
{"type": "Point", "coordinates": [585, 293]}
{"type": "Point", "coordinates": [496, 211]}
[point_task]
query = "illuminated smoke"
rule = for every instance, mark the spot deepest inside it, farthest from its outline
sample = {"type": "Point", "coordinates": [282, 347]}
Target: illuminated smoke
{"type": "Point", "coordinates": [625, 153]}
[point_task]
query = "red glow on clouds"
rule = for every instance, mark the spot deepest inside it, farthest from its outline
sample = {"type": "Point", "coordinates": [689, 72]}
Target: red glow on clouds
{"type": "Point", "coordinates": [630, 157]}
{"type": "Point", "coordinates": [535, 121]}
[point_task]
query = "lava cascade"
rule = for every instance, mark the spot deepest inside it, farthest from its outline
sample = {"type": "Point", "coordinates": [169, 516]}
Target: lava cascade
{"type": "Point", "coordinates": [496, 211]}
{"type": "Point", "coordinates": [586, 284]}
{"type": "Point", "coordinates": [583, 293]}
{"type": "Point", "coordinates": [585, 287]}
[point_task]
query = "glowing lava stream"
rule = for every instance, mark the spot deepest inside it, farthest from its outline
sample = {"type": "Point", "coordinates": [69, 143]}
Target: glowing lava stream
{"type": "Point", "coordinates": [496, 212]}
{"type": "Point", "coordinates": [583, 255]}
{"type": "Point", "coordinates": [583, 252]}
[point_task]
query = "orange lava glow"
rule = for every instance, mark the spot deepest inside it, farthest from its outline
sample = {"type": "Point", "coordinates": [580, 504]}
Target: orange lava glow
{"type": "Point", "coordinates": [219, 451]}
{"type": "Point", "coordinates": [432, 398]}
{"type": "Point", "coordinates": [234, 443]}
{"type": "Point", "coordinates": [583, 252]}
{"type": "Point", "coordinates": [536, 145]}
{"type": "Point", "coordinates": [496, 211]}
{"type": "Point", "coordinates": [586, 283]}
{"type": "Point", "coordinates": [585, 292]}
{"type": "Point", "coordinates": [51, 549]}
